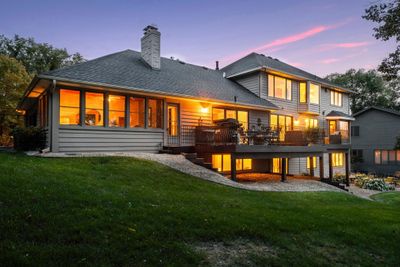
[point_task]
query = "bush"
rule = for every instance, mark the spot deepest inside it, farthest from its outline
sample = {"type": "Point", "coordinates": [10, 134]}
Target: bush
{"type": "Point", "coordinates": [377, 184]}
{"type": "Point", "coordinates": [29, 138]}
{"type": "Point", "coordinates": [340, 178]}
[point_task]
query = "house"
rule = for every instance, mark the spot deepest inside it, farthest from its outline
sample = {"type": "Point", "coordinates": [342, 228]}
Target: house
{"type": "Point", "coordinates": [291, 121]}
{"type": "Point", "coordinates": [374, 134]}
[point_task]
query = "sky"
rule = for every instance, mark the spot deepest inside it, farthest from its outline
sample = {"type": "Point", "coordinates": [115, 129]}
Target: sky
{"type": "Point", "coordinates": [319, 36]}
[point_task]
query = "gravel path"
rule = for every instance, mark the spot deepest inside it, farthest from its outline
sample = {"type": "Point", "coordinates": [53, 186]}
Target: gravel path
{"type": "Point", "coordinates": [180, 163]}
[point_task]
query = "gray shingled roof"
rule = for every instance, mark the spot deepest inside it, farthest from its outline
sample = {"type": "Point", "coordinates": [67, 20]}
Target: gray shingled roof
{"type": "Point", "coordinates": [335, 113]}
{"type": "Point", "coordinates": [126, 69]}
{"type": "Point", "coordinates": [390, 111]}
{"type": "Point", "coordinates": [256, 61]}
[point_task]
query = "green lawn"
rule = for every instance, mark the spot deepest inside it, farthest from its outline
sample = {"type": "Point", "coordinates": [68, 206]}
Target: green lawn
{"type": "Point", "coordinates": [125, 212]}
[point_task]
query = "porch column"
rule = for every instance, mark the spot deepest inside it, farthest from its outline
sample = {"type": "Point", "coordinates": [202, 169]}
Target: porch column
{"type": "Point", "coordinates": [283, 168]}
{"type": "Point", "coordinates": [347, 167]}
{"type": "Point", "coordinates": [321, 167]}
{"type": "Point", "coordinates": [311, 159]}
{"type": "Point", "coordinates": [233, 167]}
{"type": "Point", "coordinates": [330, 167]}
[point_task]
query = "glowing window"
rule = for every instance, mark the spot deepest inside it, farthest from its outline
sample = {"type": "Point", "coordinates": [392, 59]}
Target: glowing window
{"type": "Point", "coordinates": [155, 113]}
{"type": "Point", "coordinates": [314, 93]}
{"type": "Point", "coordinates": [336, 98]}
{"type": "Point", "coordinates": [378, 157]}
{"type": "Point", "coordinates": [116, 113]}
{"type": "Point", "coordinates": [314, 161]}
{"type": "Point", "coordinates": [94, 109]}
{"type": "Point", "coordinates": [243, 118]}
{"type": "Point", "coordinates": [218, 114]}
{"type": "Point", "coordinates": [217, 161]}
{"type": "Point", "coordinates": [230, 114]}
{"type": "Point", "coordinates": [303, 93]}
{"type": "Point", "coordinates": [136, 112]}
{"type": "Point", "coordinates": [279, 87]}
{"type": "Point", "coordinates": [337, 159]}
{"type": "Point", "coordinates": [311, 123]}
{"type": "Point", "coordinates": [222, 162]}
{"type": "Point", "coordinates": [69, 107]}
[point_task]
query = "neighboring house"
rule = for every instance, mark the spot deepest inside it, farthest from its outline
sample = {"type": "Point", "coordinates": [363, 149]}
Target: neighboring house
{"type": "Point", "coordinates": [292, 121]}
{"type": "Point", "coordinates": [374, 134]}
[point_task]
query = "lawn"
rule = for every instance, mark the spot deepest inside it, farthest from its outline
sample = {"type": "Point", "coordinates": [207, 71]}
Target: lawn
{"type": "Point", "coordinates": [127, 212]}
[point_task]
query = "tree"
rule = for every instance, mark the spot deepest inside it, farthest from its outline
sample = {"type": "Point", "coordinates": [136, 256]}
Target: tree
{"type": "Point", "coordinates": [37, 57]}
{"type": "Point", "coordinates": [370, 89]}
{"type": "Point", "coordinates": [387, 15]}
{"type": "Point", "coordinates": [13, 81]}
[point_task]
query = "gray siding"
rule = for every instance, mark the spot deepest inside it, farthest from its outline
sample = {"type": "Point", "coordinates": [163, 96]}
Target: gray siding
{"type": "Point", "coordinates": [251, 82]}
{"type": "Point", "coordinates": [378, 130]}
{"type": "Point", "coordinates": [101, 140]}
{"type": "Point", "coordinates": [255, 114]}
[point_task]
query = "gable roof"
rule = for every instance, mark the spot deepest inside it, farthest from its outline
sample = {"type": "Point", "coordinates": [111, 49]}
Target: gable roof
{"type": "Point", "coordinates": [255, 62]}
{"type": "Point", "coordinates": [339, 114]}
{"type": "Point", "coordinates": [127, 70]}
{"type": "Point", "coordinates": [390, 111]}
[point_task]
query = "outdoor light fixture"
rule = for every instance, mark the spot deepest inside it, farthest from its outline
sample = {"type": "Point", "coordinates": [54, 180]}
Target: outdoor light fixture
{"type": "Point", "coordinates": [204, 110]}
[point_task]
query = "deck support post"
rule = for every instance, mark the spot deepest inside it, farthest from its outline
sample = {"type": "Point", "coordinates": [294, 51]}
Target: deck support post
{"type": "Point", "coordinates": [283, 169]}
{"type": "Point", "coordinates": [347, 167]}
{"type": "Point", "coordinates": [311, 159]}
{"type": "Point", "coordinates": [321, 168]}
{"type": "Point", "coordinates": [233, 167]}
{"type": "Point", "coordinates": [330, 167]}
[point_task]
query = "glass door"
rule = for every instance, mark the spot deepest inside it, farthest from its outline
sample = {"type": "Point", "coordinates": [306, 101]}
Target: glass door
{"type": "Point", "coordinates": [173, 124]}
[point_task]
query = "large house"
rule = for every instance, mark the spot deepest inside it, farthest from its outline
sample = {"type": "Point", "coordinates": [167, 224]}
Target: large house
{"type": "Point", "coordinates": [374, 137]}
{"type": "Point", "coordinates": [290, 121]}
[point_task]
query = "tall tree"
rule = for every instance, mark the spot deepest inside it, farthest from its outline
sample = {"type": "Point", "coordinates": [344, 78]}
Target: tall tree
{"type": "Point", "coordinates": [370, 89]}
{"type": "Point", "coordinates": [37, 57]}
{"type": "Point", "coordinates": [13, 81]}
{"type": "Point", "coordinates": [387, 15]}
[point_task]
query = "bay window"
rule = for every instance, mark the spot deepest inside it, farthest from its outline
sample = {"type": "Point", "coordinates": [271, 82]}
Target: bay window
{"type": "Point", "coordinates": [155, 113]}
{"type": "Point", "coordinates": [69, 107]}
{"type": "Point", "coordinates": [136, 112]}
{"type": "Point", "coordinates": [116, 113]}
{"type": "Point", "coordinates": [314, 93]}
{"type": "Point", "coordinates": [94, 109]}
{"type": "Point", "coordinates": [279, 87]}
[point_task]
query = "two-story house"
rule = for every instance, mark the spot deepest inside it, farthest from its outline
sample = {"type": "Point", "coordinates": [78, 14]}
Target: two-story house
{"type": "Point", "coordinates": [285, 120]}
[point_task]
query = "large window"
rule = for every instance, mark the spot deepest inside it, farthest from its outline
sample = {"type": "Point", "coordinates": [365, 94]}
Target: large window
{"type": "Point", "coordinates": [240, 115]}
{"type": "Point", "coordinates": [314, 93]}
{"type": "Point", "coordinates": [314, 161]}
{"type": "Point", "coordinates": [155, 113]}
{"type": "Point", "coordinates": [69, 107]}
{"type": "Point", "coordinates": [94, 109]}
{"type": "Point", "coordinates": [337, 159]}
{"type": "Point", "coordinates": [311, 123]}
{"type": "Point", "coordinates": [387, 156]}
{"type": "Point", "coordinates": [136, 112]}
{"type": "Point", "coordinates": [222, 162]}
{"type": "Point", "coordinates": [277, 165]}
{"type": "Point", "coordinates": [303, 92]}
{"type": "Point", "coordinates": [279, 87]}
{"type": "Point", "coordinates": [282, 123]}
{"type": "Point", "coordinates": [116, 113]}
{"type": "Point", "coordinates": [336, 98]}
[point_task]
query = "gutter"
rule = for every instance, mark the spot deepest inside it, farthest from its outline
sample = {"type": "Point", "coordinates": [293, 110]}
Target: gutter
{"type": "Point", "coordinates": [274, 107]}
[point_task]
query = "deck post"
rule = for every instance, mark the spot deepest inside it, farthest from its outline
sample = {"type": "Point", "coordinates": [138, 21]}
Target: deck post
{"type": "Point", "coordinates": [233, 167]}
{"type": "Point", "coordinates": [347, 167]}
{"type": "Point", "coordinates": [311, 159]}
{"type": "Point", "coordinates": [321, 168]}
{"type": "Point", "coordinates": [283, 169]}
{"type": "Point", "coordinates": [330, 167]}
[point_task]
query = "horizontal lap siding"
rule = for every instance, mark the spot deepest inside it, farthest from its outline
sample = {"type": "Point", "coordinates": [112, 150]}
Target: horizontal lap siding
{"type": "Point", "coordinates": [251, 82]}
{"type": "Point", "coordinates": [77, 140]}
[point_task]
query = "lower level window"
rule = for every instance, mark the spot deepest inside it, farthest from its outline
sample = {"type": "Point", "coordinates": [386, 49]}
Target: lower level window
{"type": "Point", "coordinates": [222, 162]}
{"type": "Point", "coordinates": [387, 156]}
{"type": "Point", "coordinates": [277, 165]}
{"type": "Point", "coordinates": [314, 161]}
{"type": "Point", "coordinates": [337, 159]}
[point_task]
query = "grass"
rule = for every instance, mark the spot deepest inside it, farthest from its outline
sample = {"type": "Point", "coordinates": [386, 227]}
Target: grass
{"type": "Point", "coordinates": [125, 212]}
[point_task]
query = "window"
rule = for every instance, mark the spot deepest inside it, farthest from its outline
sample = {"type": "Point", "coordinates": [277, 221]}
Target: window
{"type": "Point", "coordinates": [116, 113]}
{"type": "Point", "coordinates": [94, 109]}
{"type": "Point", "coordinates": [355, 130]}
{"type": "Point", "coordinates": [337, 159]}
{"type": "Point", "coordinates": [314, 161]}
{"type": "Point", "coordinates": [387, 156]}
{"type": "Point", "coordinates": [344, 129]}
{"type": "Point", "coordinates": [357, 155]}
{"type": "Point", "coordinates": [277, 165]}
{"type": "Point", "coordinates": [378, 157]}
{"type": "Point", "coordinates": [392, 156]}
{"type": "Point", "coordinates": [384, 155]}
{"type": "Point", "coordinates": [314, 93]}
{"type": "Point", "coordinates": [155, 113]}
{"type": "Point", "coordinates": [336, 98]}
{"type": "Point", "coordinates": [332, 127]}
{"type": "Point", "coordinates": [136, 112]}
{"type": "Point", "coordinates": [283, 123]}
{"type": "Point", "coordinates": [311, 123]}
{"type": "Point", "coordinates": [279, 87]}
{"type": "Point", "coordinates": [240, 115]}
{"type": "Point", "coordinates": [303, 92]}
{"type": "Point", "coordinates": [222, 162]}
{"type": "Point", "coordinates": [69, 107]}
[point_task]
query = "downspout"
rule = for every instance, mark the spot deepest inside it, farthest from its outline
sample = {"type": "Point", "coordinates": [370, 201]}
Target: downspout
{"type": "Point", "coordinates": [50, 109]}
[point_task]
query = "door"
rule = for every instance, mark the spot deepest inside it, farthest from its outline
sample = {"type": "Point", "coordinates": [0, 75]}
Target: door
{"type": "Point", "coordinates": [173, 123]}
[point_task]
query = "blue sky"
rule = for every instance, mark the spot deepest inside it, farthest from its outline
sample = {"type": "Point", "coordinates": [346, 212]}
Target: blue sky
{"type": "Point", "coordinates": [319, 36]}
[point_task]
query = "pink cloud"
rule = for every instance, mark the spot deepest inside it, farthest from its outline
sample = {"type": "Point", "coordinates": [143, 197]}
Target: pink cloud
{"type": "Point", "coordinates": [329, 60]}
{"type": "Point", "coordinates": [278, 43]}
{"type": "Point", "coordinates": [334, 60]}
{"type": "Point", "coordinates": [326, 47]}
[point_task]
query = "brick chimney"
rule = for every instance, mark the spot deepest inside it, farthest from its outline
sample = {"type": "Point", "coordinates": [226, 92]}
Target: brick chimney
{"type": "Point", "coordinates": [151, 47]}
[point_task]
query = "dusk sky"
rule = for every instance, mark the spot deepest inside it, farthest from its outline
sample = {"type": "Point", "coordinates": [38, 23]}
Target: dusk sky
{"type": "Point", "coordinates": [318, 36]}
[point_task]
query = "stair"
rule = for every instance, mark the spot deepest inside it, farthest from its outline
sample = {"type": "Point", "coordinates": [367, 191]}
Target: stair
{"type": "Point", "coordinates": [336, 184]}
{"type": "Point", "coordinates": [199, 161]}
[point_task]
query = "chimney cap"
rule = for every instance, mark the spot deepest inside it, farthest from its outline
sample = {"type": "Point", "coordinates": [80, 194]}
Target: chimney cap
{"type": "Point", "coordinates": [150, 27]}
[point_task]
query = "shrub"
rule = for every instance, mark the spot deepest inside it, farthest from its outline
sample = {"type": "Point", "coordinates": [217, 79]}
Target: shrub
{"type": "Point", "coordinates": [29, 138]}
{"type": "Point", "coordinates": [377, 184]}
{"type": "Point", "coordinates": [340, 178]}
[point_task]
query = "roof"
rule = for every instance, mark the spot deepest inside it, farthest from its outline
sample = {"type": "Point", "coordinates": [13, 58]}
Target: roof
{"type": "Point", "coordinates": [127, 70]}
{"type": "Point", "coordinates": [390, 111]}
{"type": "Point", "coordinates": [339, 114]}
{"type": "Point", "coordinates": [254, 61]}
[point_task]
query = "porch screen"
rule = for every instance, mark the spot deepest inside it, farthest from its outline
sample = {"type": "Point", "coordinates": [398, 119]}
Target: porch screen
{"type": "Point", "coordinates": [69, 107]}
